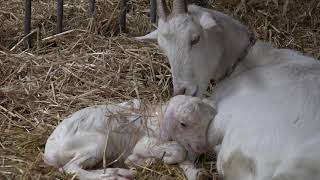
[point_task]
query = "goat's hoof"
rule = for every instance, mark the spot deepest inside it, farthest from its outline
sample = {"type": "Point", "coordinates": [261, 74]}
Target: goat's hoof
{"type": "Point", "coordinates": [109, 174]}
{"type": "Point", "coordinates": [135, 160]}
{"type": "Point", "coordinates": [173, 158]}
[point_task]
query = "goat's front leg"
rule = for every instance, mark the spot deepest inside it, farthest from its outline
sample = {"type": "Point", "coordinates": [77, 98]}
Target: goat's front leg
{"type": "Point", "coordinates": [149, 148]}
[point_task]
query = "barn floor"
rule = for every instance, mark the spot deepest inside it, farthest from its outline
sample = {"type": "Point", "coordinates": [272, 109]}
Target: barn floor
{"type": "Point", "coordinates": [92, 63]}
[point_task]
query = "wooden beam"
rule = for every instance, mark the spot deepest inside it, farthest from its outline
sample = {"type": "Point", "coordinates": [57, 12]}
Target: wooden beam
{"type": "Point", "coordinates": [92, 7]}
{"type": "Point", "coordinates": [27, 23]}
{"type": "Point", "coordinates": [59, 16]}
{"type": "Point", "coordinates": [153, 11]}
{"type": "Point", "coordinates": [122, 17]}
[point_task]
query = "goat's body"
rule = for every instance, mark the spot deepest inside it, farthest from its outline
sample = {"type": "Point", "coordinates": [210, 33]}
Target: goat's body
{"type": "Point", "coordinates": [269, 111]}
{"type": "Point", "coordinates": [79, 141]}
{"type": "Point", "coordinates": [127, 133]}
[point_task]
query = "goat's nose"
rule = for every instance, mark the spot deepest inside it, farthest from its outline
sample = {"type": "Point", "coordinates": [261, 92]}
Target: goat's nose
{"type": "Point", "coordinates": [179, 91]}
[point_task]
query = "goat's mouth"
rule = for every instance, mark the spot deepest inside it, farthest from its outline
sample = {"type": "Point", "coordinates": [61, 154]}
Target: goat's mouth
{"type": "Point", "coordinates": [187, 91]}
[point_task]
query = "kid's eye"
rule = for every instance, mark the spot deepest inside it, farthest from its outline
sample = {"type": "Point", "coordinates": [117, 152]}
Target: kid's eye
{"type": "Point", "coordinates": [194, 40]}
{"type": "Point", "coordinates": [183, 124]}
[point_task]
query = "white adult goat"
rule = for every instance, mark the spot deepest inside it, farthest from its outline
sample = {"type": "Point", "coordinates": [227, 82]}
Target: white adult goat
{"type": "Point", "coordinates": [78, 143]}
{"type": "Point", "coordinates": [267, 107]}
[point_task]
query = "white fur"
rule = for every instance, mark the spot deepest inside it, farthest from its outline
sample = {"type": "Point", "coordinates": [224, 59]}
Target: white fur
{"type": "Point", "coordinates": [222, 40]}
{"type": "Point", "coordinates": [269, 110]}
{"type": "Point", "coordinates": [271, 145]}
{"type": "Point", "coordinates": [130, 131]}
{"type": "Point", "coordinates": [268, 119]}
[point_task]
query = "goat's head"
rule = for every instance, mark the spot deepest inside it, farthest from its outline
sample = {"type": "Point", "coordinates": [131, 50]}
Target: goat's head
{"type": "Point", "coordinates": [192, 42]}
{"type": "Point", "coordinates": [186, 120]}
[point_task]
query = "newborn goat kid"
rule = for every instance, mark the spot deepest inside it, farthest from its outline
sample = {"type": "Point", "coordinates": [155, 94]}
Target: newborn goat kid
{"type": "Point", "coordinates": [81, 141]}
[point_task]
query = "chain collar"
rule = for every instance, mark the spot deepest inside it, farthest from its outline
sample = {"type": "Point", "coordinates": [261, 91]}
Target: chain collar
{"type": "Point", "coordinates": [252, 41]}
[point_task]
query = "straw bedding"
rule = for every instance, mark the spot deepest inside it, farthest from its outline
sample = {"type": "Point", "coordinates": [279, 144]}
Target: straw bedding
{"type": "Point", "coordinates": [93, 63]}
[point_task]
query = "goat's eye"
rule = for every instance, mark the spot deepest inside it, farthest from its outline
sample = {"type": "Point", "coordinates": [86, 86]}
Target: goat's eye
{"type": "Point", "coordinates": [194, 40]}
{"type": "Point", "coordinates": [183, 125]}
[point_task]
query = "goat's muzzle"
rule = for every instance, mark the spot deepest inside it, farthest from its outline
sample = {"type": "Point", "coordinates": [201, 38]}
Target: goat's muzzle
{"type": "Point", "coordinates": [184, 91]}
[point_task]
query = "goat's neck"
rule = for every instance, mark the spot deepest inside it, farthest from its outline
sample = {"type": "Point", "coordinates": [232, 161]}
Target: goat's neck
{"type": "Point", "coordinates": [261, 54]}
{"type": "Point", "coordinates": [234, 39]}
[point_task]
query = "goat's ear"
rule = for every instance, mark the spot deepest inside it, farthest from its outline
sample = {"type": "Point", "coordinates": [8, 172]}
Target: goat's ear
{"type": "Point", "coordinates": [208, 109]}
{"type": "Point", "coordinates": [207, 21]}
{"type": "Point", "coordinates": [151, 37]}
{"type": "Point", "coordinates": [212, 103]}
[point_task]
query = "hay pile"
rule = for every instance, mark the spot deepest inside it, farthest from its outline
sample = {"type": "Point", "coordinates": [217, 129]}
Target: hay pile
{"type": "Point", "coordinates": [95, 64]}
